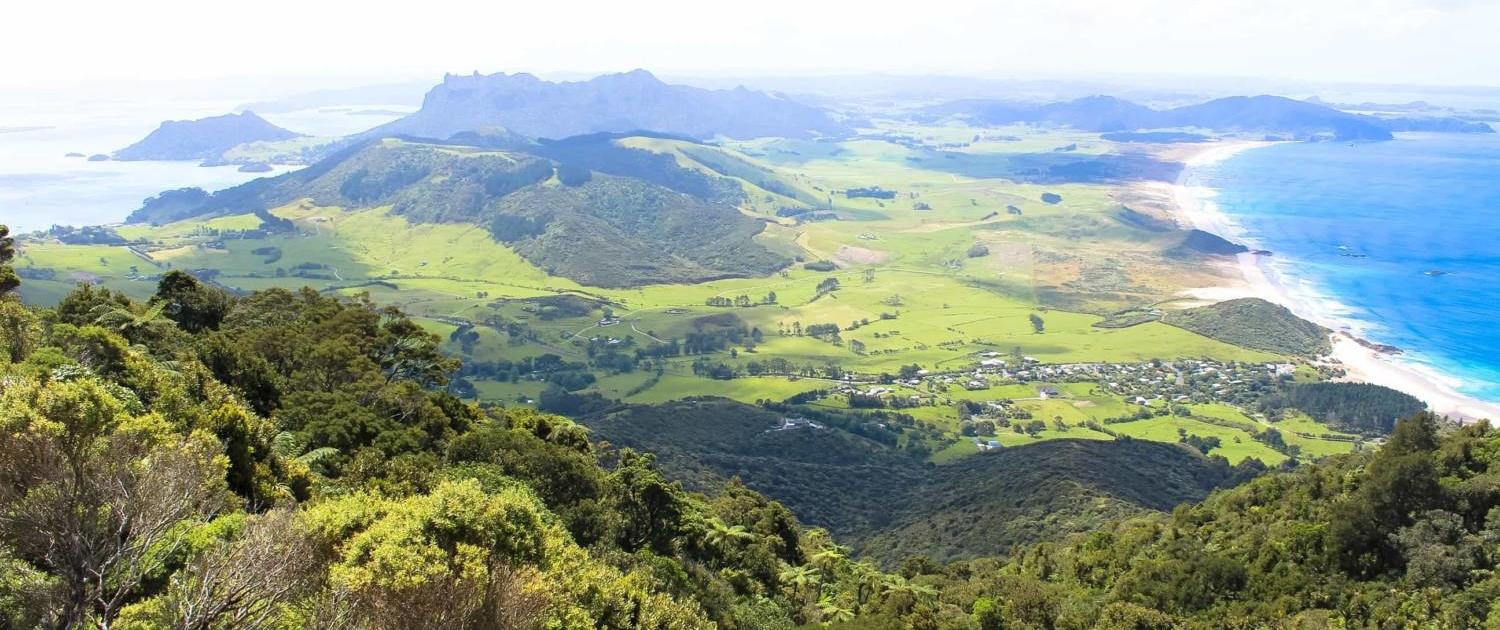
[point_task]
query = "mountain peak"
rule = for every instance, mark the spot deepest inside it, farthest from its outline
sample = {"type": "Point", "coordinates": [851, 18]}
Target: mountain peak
{"type": "Point", "coordinates": [626, 101]}
{"type": "Point", "coordinates": [639, 74]}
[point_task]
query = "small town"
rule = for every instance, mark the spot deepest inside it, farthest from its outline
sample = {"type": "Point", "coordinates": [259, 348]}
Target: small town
{"type": "Point", "coordinates": [1150, 383]}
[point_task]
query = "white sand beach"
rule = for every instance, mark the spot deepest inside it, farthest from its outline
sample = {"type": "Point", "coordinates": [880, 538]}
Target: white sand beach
{"type": "Point", "coordinates": [1362, 361]}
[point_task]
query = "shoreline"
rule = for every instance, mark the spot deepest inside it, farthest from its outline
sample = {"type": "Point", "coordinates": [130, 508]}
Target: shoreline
{"type": "Point", "coordinates": [1193, 206]}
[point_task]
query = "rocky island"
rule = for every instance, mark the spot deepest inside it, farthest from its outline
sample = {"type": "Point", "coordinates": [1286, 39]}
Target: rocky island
{"type": "Point", "coordinates": [203, 139]}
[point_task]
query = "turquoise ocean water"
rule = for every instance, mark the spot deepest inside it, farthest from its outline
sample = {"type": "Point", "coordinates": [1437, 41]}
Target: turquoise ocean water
{"type": "Point", "coordinates": [1404, 235]}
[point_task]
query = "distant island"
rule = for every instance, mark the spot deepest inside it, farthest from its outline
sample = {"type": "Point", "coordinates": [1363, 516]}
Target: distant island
{"type": "Point", "coordinates": [203, 139]}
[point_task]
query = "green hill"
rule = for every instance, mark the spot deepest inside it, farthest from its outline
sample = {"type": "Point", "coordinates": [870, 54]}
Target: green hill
{"type": "Point", "coordinates": [616, 231]}
{"type": "Point", "coordinates": [1254, 323]}
{"type": "Point", "coordinates": [586, 209]}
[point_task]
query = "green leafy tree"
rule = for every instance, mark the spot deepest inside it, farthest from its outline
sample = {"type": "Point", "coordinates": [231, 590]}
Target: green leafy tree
{"type": "Point", "coordinates": [651, 508]}
{"type": "Point", "coordinates": [193, 305]}
{"type": "Point", "coordinates": [93, 494]}
{"type": "Point", "coordinates": [9, 281]}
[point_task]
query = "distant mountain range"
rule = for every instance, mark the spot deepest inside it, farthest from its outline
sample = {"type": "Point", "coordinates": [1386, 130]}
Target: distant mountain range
{"type": "Point", "coordinates": [522, 106]}
{"type": "Point", "coordinates": [636, 100]}
{"type": "Point", "coordinates": [1271, 115]}
{"type": "Point", "coordinates": [203, 139]}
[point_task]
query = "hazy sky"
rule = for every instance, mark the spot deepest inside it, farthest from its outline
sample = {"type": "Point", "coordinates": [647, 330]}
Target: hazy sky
{"type": "Point", "coordinates": [1398, 41]}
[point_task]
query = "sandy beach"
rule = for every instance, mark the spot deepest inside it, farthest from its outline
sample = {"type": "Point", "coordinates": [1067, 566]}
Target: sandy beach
{"type": "Point", "coordinates": [1363, 362]}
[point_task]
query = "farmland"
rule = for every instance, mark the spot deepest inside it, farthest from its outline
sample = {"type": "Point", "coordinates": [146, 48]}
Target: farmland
{"type": "Point", "coordinates": [915, 246]}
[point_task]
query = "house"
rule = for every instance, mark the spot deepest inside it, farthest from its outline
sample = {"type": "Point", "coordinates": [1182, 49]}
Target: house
{"type": "Point", "coordinates": [792, 422]}
{"type": "Point", "coordinates": [1048, 391]}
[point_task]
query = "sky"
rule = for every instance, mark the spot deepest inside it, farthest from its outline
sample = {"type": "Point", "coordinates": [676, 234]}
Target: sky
{"type": "Point", "coordinates": [62, 43]}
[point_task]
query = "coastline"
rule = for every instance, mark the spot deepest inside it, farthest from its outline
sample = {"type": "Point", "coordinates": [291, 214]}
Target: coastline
{"type": "Point", "coordinates": [1363, 361]}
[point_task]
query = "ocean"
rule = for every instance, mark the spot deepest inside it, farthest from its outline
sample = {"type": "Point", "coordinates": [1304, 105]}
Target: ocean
{"type": "Point", "coordinates": [1399, 240]}
{"type": "Point", "coordinates": [40, 186]}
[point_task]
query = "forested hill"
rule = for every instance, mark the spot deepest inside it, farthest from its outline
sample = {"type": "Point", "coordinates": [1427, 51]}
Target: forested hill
{"type": "Point", "coordinates": [585, 208]}
{"type": "Point", "coordinates": [889, 504]}
{"type": "Point", "coordinates": [628, 101]}
{"type": "Point", "coordinates": [292, 460]}
{"type": "Point", "coordinates": [1404, 537]}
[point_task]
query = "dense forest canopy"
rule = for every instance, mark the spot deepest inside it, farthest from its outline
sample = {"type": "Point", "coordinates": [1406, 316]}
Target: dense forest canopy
{"type": "Point", "coordinates": [1358, 407]}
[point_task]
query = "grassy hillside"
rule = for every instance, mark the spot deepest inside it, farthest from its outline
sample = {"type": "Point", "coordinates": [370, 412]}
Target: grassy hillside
{"type": "Point", "coordinates": [591, 211]}
{"type": "Point", "coordinates": [1254, 323]}
{"type": "Point", "coordinates": [668, 247]}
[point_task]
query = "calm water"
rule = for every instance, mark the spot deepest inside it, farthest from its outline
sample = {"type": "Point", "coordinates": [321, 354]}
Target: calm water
{"type": "Point", "coordinates": [1423, 212]}
{"type": "Point", "coordinates": [40, 187]}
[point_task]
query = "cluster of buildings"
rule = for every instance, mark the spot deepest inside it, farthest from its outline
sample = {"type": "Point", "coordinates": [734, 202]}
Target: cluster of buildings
{"type": "Point", "coordinates": [1177, 382]}
{"type": "Point", "coordinates": [884, 392]}
{"type": "Point", "coordinates": [1193, 381]}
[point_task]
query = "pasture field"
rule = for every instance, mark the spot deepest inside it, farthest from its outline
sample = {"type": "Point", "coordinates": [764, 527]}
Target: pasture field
{"type": "Point", "coordinates": [1236, 445]}
{"type": "Point", "coordinates": [748, 390]}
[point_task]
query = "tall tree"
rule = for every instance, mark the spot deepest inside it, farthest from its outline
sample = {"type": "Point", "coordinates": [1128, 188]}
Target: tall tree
{"type": "Point", "coordinates": [93, 495]}
{"type": "Point", "coordinates": [8, 278]}
{"type": "Point", "coordinates": [193, 305]}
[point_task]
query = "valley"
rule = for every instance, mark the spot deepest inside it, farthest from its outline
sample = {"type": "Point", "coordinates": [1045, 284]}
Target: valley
{"type": "Point", "coordinates": [619, 353]}
{"type": "Point", "coordinates": [945, 273]}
